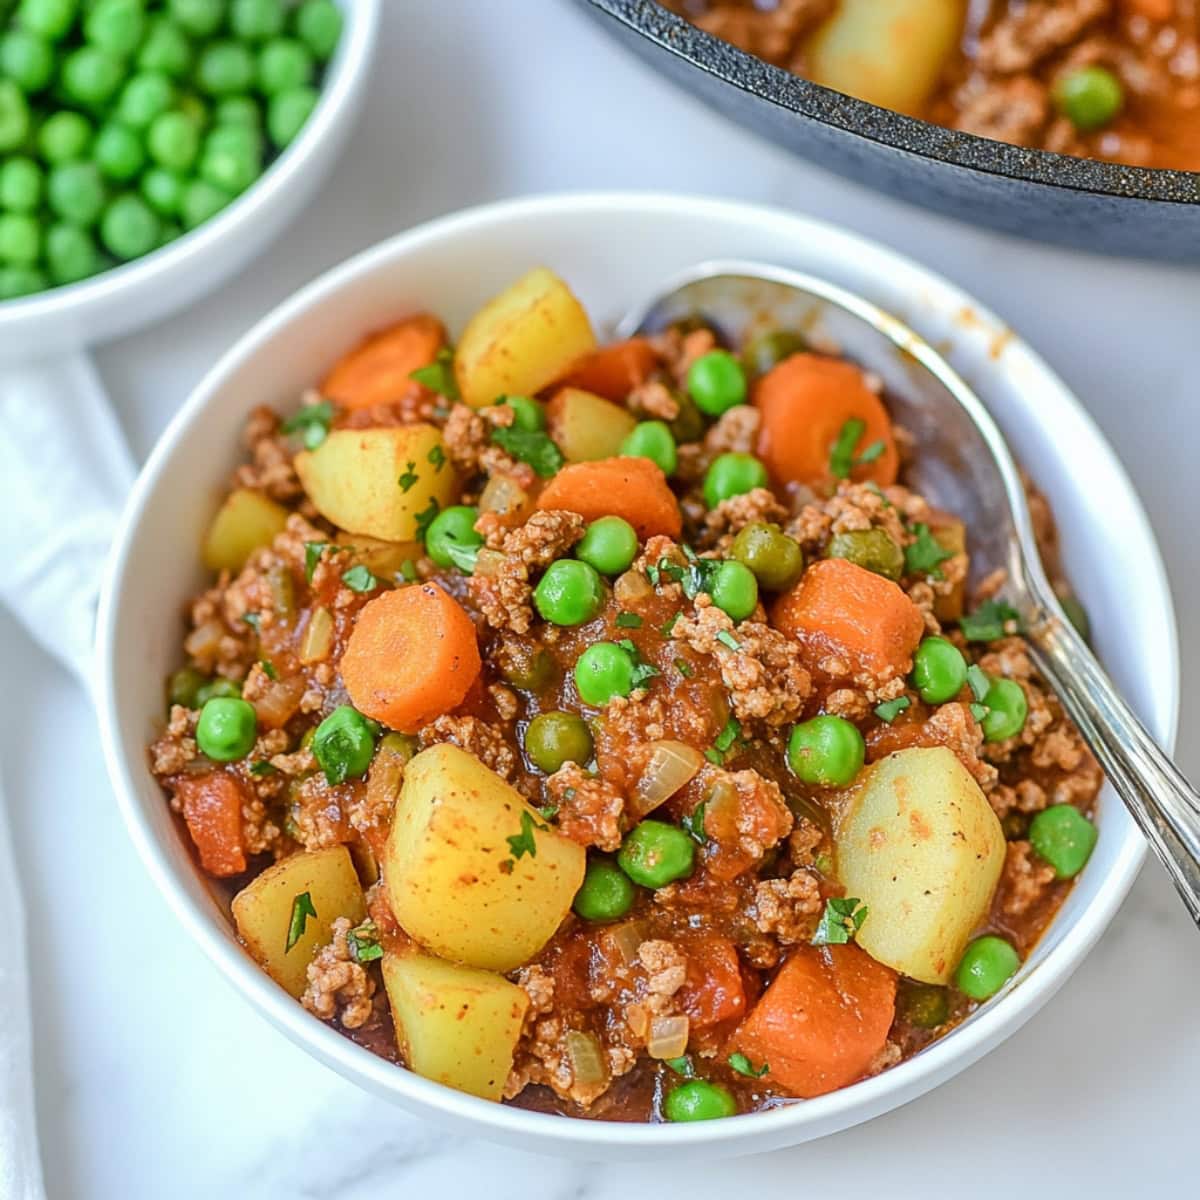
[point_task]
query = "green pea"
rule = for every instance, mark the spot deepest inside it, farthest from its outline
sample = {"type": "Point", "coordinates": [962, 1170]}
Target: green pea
{"type": "Point", "coordinates": [129, 228]}
{"type": "Point", "coordinates": [939, 670]}
{"type": "Point", "coordinates": [238, 110]}
{"type": "Point", "coordinates": [20, 240]}
{"type": "Point", "coordinates": [870, 549]}
{"type": "Point", "coordinates": [924, 1005]}
{"type": "Point", "coordinates": [288, 112]}
{"type": "Point", "coordinates": [1064, 837]}
{"type": "Point", "coordinates": [50, 19]}
{"type": "Point", "coordinates": [610, 544]}
{"type": "Point", "coordinates": [232, 157]}
{"type": "Point", "coordinates": [319, 25]}
{"type": "Point", "coordinates": [689, 424]}
{"type": "Point", "coordinates": [162, 190]}
{"type": "Point", "coordinates": [64, 137]}
{"type": "Point", "coordinates": [116, 26]}
{"type": "Point", "coordinates": [768, 350]}
{"type": "Point", "coordinates": [16, 282]}
{"type": "Point", "coordinates": [14, 117]}
{"type": "Point", "coordinates": [776, 559]}
{"type": "Point", "coordinates": [828, 751]}
{"type": "Point", "coordinates": [166, 49]}
{"type": "Point", "coordinates": [1007, 710]}
{"type": "Point", "coordinates": [184, 685]}
{"type": "Point", "coordinates": [732, 474]}
{"type": "Point", "coordinates": [652, 440]}
{"type": "Point", "coordinates": [201, 202]}
{"type": "Point", "coordinates": [451, 539]}
{"type": "Point", "coordinates": [224, 68]}
{"type": "Point", "coordinates": [26, 59]}
{"type": "Point", "coordinates": [528, 415]}
{"type": "Point", "coordinates": [21, 182]}
{"type": "Point", "coordinates": [227, 728]}
{"type": "Point", "coordinates": [75, 192]}
{"type": "Point", "coordinates": [716, 382]}
{"type": "Point", "coordinates": [554, 738]}
{"type": "Point", "coordinates": [256, 20]}
{"type": "Point", "coordinates": [118, 152]}
{"type": "Point", "coordinates": [1089, 97]}
{"type": "Point", "coordinates": [606, 893]}
{"type": "Point", "coordinates": [569, 593]}
{"type": "Point", "coordinates": [147, 95]}
{"type": "Point", "coordinates": [987, 964]}
{"type": "Point", "coordinates": [603, 671]}
{"type": "Point", "coordinates": [344, 744]}
{"type": "Point", "coordinates": [654, 854]}
{"type": "Point", "coordinates": [173, 140]}
{"type": "Point", "coordinates": [218, 687]}
{"type": "Point", "coordinates": [528, 668]}
{"type": "Point", "coordinates": [200, 18]}
{"type": "Point", "coordinates": [284, 63]}
{"type": "Point", "coordinates": [734, 589]}
{"type": "Point", "coordinates": [170, 231]}
{"type": "Point", "coordinates": [699, 1100]}
{"type": "Point", "coordinates": [91, 76]}
{"type": "Point", "coordinates": [71, 255]}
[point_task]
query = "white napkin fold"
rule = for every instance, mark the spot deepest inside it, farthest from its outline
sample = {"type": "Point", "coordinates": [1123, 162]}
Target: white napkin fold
{"type": "Point", "coordinates": [64, 473]}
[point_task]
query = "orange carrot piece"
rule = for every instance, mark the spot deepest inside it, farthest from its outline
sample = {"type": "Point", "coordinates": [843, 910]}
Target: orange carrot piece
{"type": "Point", "coordinates": [613, 371]}
{"type": "Point", "coordinates": [713, 990]}
{"type": "Point", "coordinates": [411, 657]}
{"type": "Point", "coordinates": [843, 610]}
{"type": "Point", "coordinates": [212, 808]}
{"type": "Point", "coordinates": [805, 401]}
{"type": "Point", "coordinates": [823, 1018]}
{"type": "Point", "coordinates": [378, 371]}
{"type": "Point", "coordinates": [633, 488]}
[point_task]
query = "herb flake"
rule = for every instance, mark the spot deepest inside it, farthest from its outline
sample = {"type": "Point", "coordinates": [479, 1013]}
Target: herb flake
{"type": "Point", "coordinates": [425, 517]}
{"type": "Point", "coordinates": [682, 1066]}
{"type": "Point", "coordinates": [408, 571]}
{"type": "Point", "coordinates": [889, 710]}
{"type": "Point", "coordinates": [359, 579]}
{"type": "Point", "coordinates": [743, 1066]}
{"type": "Point", "coordinates": [924, 556]}
{"type": "Point", "coordinates": [408, 480]}
{"type": "Point", "coordinates": [842, 919]}
{"type": "Point", "coordinates": [312, 422]}
{"type": "Point", "coordinates": [261, 767]}
{"type": "Point", "coordinates": [693, 823]}
{"type": "Point", "coordinates": [302, 909]}
{"type": "Point", "coordinates": [643, 671]}
{"type": "Point", "coordinates": [363, 942]}
{"type": "Point", "coordinates": [978, 682]}
{"type": "Point", "coordinates": [532, 446]}
{"type": "Point", "coordinates": [727, 639]}
{"type": "Point", "coordinates": [628, 620]}
{"type": "Point", "coordinates": [268, 669]}
{"type": "Point", "coordinates": [523, 843]}
{"type": "Point", "coordinates": [438, 376]}
{"type": "Point", "coordinates": [437, 458]}
{"type": "Point", "coordinates": [312, 556]}
{"type": "Point", "coordinates": [992, 620]}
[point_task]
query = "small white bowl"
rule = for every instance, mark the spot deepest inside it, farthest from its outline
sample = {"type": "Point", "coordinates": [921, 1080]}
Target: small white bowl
{"type": "Point", "coordinates": [615, 250]}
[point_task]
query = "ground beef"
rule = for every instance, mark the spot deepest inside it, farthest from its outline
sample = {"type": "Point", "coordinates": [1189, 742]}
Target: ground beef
{"type": "Point", "coordinates": [270, 468]}
{"type": "Point", "coordinates": [589, 809]}
{"type": "Point", "coordinates": [488, 743]}
{"type": "Point", "coordinates": [788, 908]}
{"type": "Point", "coordinates": [316, 817]}
{"type": "Point", "coordinates": [176, 748]}
{"type": "Point", "coordinates": [467, 436]}
{"type": "Point", "coordinates": [953, 726]}
{"type": "Point", "coordinates": [767, 32]}
{"type": "Point", "coordinates": [1025, 880]}
{"type": "Point", "coordinates": [678, 349]}
{"type": "Point", "coordinates": [653, 400]}
{"type": "Point", "coordinates": [338, 986]}
{"type": "Point", "coordinates": [1031, 32]}
{"type": "Point", "coordinates": [665, 966]}
{"type": "Point", "coordinates": [734, 514]}
{"type": "Point", "coordinates": [1007, 110]}
{"type": "Point", "coordinates": [854, 507]}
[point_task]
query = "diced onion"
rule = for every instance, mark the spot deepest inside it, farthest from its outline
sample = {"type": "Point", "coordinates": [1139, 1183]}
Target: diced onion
{"type": "Point", "coordinates": [488, 563]}
{"type": "Point", "coordinates": [587, 1061]}
{"type": "Point", "coordinates": [630, 588]}
{"type": "Point", "coordinates": [504, 496]}
{"type": "Point", "coordinates": [670, 766]}
{"type": "Point", "coordinates": [279, 701]}
{"type": "Point", "coordinates": [623, 940]}
{"type": "Point", "coordinates": [317, 641]}
{"type": "Point", "coordinates": [668, 1037]}
{"type": "Point", "coordinates": [203, 642]}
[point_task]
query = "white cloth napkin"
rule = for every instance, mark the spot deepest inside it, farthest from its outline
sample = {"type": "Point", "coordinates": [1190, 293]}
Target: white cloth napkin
{"type": "Point", "coordinates": [64, 473]}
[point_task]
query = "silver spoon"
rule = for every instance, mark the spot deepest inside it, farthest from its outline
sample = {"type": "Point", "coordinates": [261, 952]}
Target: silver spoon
{"type": "Point", "coordinates": [965, 466]}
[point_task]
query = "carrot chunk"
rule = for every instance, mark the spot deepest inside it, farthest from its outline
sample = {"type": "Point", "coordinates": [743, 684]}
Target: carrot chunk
{"type": "Point", "coordinates": [411, 657]}
{"type": "Point", "coordinates": [840, 609]}
{"type": "Point", "coordinates": [212, 808]}
{"type": "Point", "coordinates": [378, 371]}
{"type": "Point", "coordinates": [805, 403]}
{"type": "Point", "coordinates": [823, 1018]}
{"type": "Point", "coordinates": [713, 990]}
{"type": "Point", "coordinates": [613, 371]}
{"type": "Point", "coordinates": [633, 488]}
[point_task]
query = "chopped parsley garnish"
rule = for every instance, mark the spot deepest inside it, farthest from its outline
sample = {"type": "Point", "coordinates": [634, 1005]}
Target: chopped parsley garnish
{"type": "Point", "coordinates": [664, 569]}
{"type": "Point", "coordinates": [979, 711]}
{"type": "Point", "coordinates": [698, 576]}
{"type": "Point", "coordinates": [436, 456]}
{"type": "Point", "coordinates": [871, 453]}
{"type": "Point", "coordinates": [683, 667]}
{"type": "Point", "coordinates": [268, 669]}
{"type": "Point", "coordinates": [463, 557]}
{"type": "Point", "coordinates": [550, 811]}
{"type": "Point", "coordinates": [642, 670]}
{"type": "Point", "coordinates": [363, 942]}
{"type": "Point", "coordinates": [312, 422]}
{"type": "Point", "coordinates": [872, 486]}
{"type": "Point", "coordinates": [729, 734]}
{"type": "Point", "coordinates": [743, 1066]}
{"type": "Point", "coordinates": [261, 767]}
{"type": "Point", "coordinates": [842, 919]}
{"type": "Point", "coordinates": [992, 620]}
{"type": "Point", "coordinates": [727, 639]}
{"type": "Point", "coordinates": [681, 1066]}
{"type": "Point", "coordinates": [889, 710]}
{"type": "Point", "coordinates": [842, 459]}
{"type": "Point", "coordinates": [666, 627]}
{"type": "Point", "coordinates": [360, 579]}
{"type": "Point", "coordinates": [925, 554]}
{"type": "Point", "coordinates": [425, 517]}
{"type": "Point", "coordinates": [714, 756]}
{"type": "Point", "coordinates": [252, 620]}
{"type": "Point", "coordinates": [438, 376]}
{"type": "Point", "coordinates": [532, 446]}
{"type": "Point", "coordinates": [523, 843]}
{"type": "Point", "coordinates": [408, 571]}
{"type": "Point", "coordinates": [978, 682]}
{"type": "Point", "coordinates": [312, 556]}
{"type": "Point", "coordinates": [302, 909]}
{"type": "Point", "coordinates": [408, 480]}
{"type": "Point", "coordinates": [629, 620]}
{"type": "Point", "coordinates": [693, 824]}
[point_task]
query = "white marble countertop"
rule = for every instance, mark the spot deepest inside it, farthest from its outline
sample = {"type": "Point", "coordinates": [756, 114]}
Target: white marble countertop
{"type": "Point", "coordinates": [153, 1079]}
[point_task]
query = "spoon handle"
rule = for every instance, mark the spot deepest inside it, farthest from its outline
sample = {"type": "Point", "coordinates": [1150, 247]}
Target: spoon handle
{"type": "Point", "coordinates": [1165, 806]}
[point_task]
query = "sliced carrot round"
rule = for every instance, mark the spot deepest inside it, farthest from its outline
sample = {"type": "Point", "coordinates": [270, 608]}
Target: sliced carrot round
{"type": "Point", "coordinates": [379, 371]}
{"type": "Point", "coordinates": [633, 488]}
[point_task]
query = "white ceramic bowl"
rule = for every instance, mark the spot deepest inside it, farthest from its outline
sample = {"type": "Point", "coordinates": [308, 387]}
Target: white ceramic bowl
{"type": "Point", "coordinates": [615, 250]}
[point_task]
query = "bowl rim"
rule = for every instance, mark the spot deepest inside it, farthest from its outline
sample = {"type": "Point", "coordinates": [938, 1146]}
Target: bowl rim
{"type": "Point", "coordinates": [114, 285]}
{"type": "Point", "coordinates": [938, 1062]}
{"type": "Point", "coordinates": [777, 86]}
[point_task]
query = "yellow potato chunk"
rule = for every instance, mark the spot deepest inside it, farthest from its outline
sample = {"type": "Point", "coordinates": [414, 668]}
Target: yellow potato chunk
{"type": "Point", "coordinates": [587, 427]}
{"type": "Point", "coordinates": [384, 559]}
{"type": "Point", "coordinates": [522, 340]}
{"type": "Point", "coordinates": [456, 1025]}
{"type": "Point", "coordinates": [472, 872]}
{"type": "Point", "coordinates": [265, 911]}
{"type": "Point", "coordinates": [888, 52]}
{"type": "Point", "coordinates": [376, 481]}
{"type": "Point", "coordinates": [246, 521]}
{"type": "Point", "coordinates": [919, 844]}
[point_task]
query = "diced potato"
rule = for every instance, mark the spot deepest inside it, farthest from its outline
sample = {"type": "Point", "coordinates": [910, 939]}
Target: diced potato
{"type": "Point", "coordinates": [456, 1025]}
{"type": "Point", "coordinates": [383, 559]}
{"type": "Point", "coordinates": [246, 521]}
{"type": "Point", "coordinates": [354, 479]}
{"type": "Point", "coordinates": [919, 844]}
{"type": "Point", "coordinates": [522, 340]}
{"type": "Point", "coordinates": [888, 52]}
{"type": "Point", "coordinates": [587, 427]}
{"type": "Point", "coordinates": [473, 873]}
{"type": "Point", "coordinates": [951, 534]}
{"type": "Point", "coordinates": [263, 911]}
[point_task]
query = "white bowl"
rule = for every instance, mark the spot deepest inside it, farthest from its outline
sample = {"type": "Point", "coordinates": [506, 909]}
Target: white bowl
{"type": "Point", "coordinates": [615, 250]}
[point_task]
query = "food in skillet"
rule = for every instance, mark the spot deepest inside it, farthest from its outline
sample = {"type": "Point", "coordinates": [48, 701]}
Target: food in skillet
{"type": "Point", "coordinates": [605, 729]}
{"type": "Point", "coordinates": [1110, 79]}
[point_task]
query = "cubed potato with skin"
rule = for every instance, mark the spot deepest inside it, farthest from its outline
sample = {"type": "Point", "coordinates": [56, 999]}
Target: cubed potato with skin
{"type": "Point", "coordinates": [456, 1025]}
{"type": "Point", "coordinates": [522, 340]}
{"type": "Point", "coordinates": [376, 481]}
{"type": "Point", "coordinates": [262, 911]}
{"type": "Point", "coordinates": [587, 427]}
{"type": "Point", "coordinates": [246, 521]}
{"type": "Point", "coordinates": [472, 872]}
{"type": "Point", "coordinates": [920, 846]}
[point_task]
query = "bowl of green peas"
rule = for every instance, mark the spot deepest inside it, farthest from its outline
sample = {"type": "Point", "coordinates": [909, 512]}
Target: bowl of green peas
{"type": "Point", "coordinates": [148, 148]}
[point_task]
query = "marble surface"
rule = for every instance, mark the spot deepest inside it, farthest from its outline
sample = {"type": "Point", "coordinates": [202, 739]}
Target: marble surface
{"type": "Point", "coordinates": [153, 1079]}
